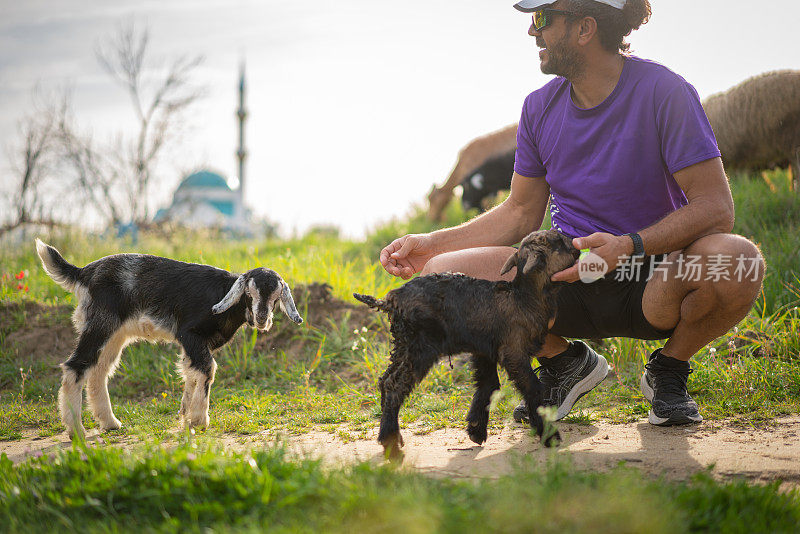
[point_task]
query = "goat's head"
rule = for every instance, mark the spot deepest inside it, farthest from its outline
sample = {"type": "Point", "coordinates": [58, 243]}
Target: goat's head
{"type": "Point", "coordinates": [472, 192]}
{"type": "Point", "coordinates": [263, 290]}
{"type": "Point", "coordinates": [545, 253]}
{"type": "Point", "coordinates": [482, 184]}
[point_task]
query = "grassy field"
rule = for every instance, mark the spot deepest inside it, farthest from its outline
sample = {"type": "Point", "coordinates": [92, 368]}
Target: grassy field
{"type": "Point", "coordinates": [323, 375]}
{"type": "Point", "coordinates": [195, 487]}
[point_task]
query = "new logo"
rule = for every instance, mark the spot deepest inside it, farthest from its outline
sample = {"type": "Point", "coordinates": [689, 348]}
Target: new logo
{"type": "Point", "coordinates": [591, 268]}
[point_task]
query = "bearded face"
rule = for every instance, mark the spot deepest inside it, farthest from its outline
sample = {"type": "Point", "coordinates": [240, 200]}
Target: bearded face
{"type": "Point", "coordinates": [560, 57]}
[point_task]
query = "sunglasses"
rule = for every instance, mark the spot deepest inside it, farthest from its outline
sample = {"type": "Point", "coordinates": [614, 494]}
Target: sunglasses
{"type": "Point", "coordinates": [544, 17]}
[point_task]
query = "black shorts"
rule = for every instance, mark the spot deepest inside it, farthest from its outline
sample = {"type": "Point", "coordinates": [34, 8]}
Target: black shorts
{"type": "Point", "coordinates": [606, 308]}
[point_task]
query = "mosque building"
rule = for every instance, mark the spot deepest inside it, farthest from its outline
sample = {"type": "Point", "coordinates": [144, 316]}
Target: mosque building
{"type": "Point", "coordinates": [204, 199]}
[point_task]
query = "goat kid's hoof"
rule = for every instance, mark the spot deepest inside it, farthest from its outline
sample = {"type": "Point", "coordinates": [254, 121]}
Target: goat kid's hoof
{"type": "Point", "coordinates": [393, 454]}
{"type": "Point", "coordinates": [391, 448]}
{"type": "Point", "coordinates": [198, 422]}
{"type": "Point", "coordinates": [114, 424]}
{"type": "Point", "coordinates": [79, 433]}
{"type": "Point", "coordinates": [477, 433]}
{"type": "Point", "coordinates": [554, 440]}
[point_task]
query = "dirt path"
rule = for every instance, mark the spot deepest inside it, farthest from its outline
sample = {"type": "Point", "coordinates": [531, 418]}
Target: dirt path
{"type": "Point", "coordinates": [757, 454]}
{"type": "Point", "coordinates": [678, 452]}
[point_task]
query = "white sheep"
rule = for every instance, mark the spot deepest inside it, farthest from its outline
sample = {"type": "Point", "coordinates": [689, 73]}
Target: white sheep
{"type": "Point", "coordinates": [757, 122]}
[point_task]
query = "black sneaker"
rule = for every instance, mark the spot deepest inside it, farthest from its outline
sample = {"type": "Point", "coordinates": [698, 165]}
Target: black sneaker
{"type": "Point", "coordinates": [567, 379]}
{"type": "Point", "coordinates": [665, 387]}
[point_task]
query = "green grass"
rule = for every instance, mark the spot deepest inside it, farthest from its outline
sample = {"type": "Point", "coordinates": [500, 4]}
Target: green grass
{"type": "Point", "coordinates": [193, 487]}
{"type": "Point", "coordinates": [330, 377]}
{"type": "Point", "coordinates": [323, 375]}
{"type": "Point", "coordinates": [342, 264]}
{"type": "Point", "coordinates": [768, 213]}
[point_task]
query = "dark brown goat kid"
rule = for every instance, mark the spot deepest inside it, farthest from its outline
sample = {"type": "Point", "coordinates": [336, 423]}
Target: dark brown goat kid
{"type": "Point", "coordinates": [499, 323]}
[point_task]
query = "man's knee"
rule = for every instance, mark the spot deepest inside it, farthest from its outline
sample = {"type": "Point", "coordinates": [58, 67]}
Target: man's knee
{"type": "Point", "coordinates": [733, 266]}
{"type": "Point", "coordinates": [481, 262]}
{"type": "Point", "coordinates": [441, 263]}
{"type": "Point", "coordinates": [725, 244]}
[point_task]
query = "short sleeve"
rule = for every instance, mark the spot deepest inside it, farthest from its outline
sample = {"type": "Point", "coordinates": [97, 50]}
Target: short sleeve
{"type": "Point", "coordinates": [527, 161]}
{"type": "Point", "coordinates": [686, 135]}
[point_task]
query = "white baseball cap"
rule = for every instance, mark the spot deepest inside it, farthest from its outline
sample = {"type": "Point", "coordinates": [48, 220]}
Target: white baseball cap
{"type": "Point", "coordinates": [528, 6]}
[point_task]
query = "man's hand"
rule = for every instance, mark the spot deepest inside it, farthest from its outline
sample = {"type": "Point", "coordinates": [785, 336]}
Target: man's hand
{"type": "Point", "coordinates": [609, 247]}
{"type": "Point", "coordinates": [407, 255]}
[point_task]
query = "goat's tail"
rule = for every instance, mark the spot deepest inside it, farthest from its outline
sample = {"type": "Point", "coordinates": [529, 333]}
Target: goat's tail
{"type": "Point", "coordinates": [372, 302]}
{"type": "Point", "coordinates": [60, 270]}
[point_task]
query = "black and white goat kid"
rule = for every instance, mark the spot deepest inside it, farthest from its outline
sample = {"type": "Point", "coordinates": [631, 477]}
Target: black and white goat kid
{"type": "Point", "coordinates": [125, 297]}
{"type": "Point", "coordinates": [499, 323]}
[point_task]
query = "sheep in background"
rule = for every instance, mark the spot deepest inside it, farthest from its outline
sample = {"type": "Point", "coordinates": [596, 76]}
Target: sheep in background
{"type": "Point", "coordinates": [757, 123]}
{"type": "Point", "coordinates": [125, 297]}
{"type": "Point", "coordinates": [499, 323]}
{"type": "Point", "coordinates": [487, 180]}
{"type": "Point", "coordinates": [472, 156]}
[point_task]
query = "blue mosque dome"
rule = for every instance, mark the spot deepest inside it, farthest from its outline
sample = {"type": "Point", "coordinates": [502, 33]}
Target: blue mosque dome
{"type": "Point", "coordinates": [204, 199]}
{"type": "Point", "coordinates": [204, 178]}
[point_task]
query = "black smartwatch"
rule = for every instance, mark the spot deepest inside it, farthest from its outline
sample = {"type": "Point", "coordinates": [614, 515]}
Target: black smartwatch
{"type": "Point", "coordinates": [638, 245]}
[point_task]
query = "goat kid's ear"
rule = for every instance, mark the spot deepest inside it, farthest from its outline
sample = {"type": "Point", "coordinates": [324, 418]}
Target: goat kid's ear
{"type": "Point", "coordinates": [231, 298]}
{"type": "Point", "coordinates": [288, 306]}
{"type": "Point", "coordinates": [533, 262]}
{"type": "Point", "coordinates": [510, 263]}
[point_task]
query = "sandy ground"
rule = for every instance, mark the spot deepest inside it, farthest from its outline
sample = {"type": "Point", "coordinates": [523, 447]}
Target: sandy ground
{"type": "Point", "coordinates": [761, 455]}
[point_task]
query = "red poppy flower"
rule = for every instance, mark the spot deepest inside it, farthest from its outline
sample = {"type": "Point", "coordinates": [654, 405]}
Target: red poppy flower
{"type": "Point", "coordinates": [20, 275]}
{"type": "Point", "coordinates": [26, 288]}
{"type": "Point", "coordinates": [19, 286]}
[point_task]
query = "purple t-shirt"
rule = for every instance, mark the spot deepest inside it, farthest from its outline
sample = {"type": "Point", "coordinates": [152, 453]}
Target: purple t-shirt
{"type": "Point", "coordinates": [610, 167]}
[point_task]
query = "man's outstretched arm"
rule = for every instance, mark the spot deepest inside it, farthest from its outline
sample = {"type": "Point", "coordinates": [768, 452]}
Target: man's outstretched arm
{"type": "Point", "coordinates": [521, 213]}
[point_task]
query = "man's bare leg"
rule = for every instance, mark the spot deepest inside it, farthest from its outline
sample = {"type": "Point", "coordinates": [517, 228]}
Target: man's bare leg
{"type": "Point", "coordinates": [700, 305]}
{"type": "Point", "coordinates": [700, 310]}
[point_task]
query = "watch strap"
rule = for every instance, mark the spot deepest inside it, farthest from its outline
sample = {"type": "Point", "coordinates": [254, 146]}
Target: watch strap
{"type": "Point", "coordinates": [638, 244]}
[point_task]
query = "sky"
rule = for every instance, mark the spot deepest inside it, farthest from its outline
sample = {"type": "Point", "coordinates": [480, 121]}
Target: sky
{"type": "Point", "coordinates": [356, 107]}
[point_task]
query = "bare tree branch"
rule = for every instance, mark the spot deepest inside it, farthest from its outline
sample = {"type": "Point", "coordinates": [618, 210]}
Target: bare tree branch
{"type": "Point", "coordinates": [117, 178]}
{"type": "Point", "coordinates": [158, 111]}
{"type": "Point", "coordinates": [31, 162]}
{"type": "Point", "coordinates": [122, 56]}
{"type": "Point", "coordinates": [93, 175]}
